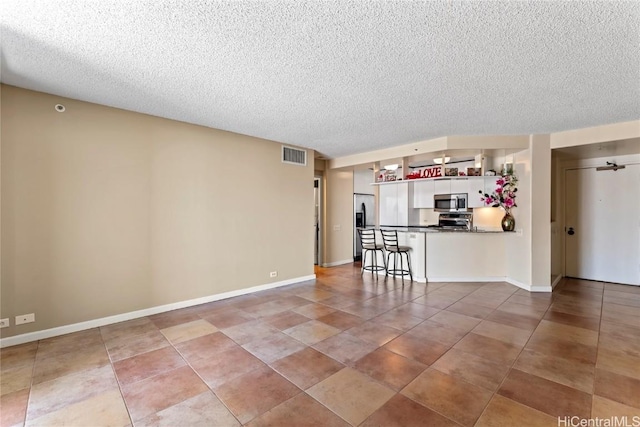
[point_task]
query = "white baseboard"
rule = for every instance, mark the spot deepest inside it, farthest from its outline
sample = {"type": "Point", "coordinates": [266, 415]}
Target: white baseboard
{"type": "Point", "coordinates": [530, 288]}
{"type": "Point", "coordinates": [337, 263]}
{"type": "Point", "coordinates": [468, 279]}
{"type": "Point", "coordinates": [556, 281]}
{"type": "Point", "coordinates": [81, 326]}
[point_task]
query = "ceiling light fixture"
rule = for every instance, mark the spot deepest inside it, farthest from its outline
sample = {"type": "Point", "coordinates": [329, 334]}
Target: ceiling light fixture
{"type": "Point", "coordinates": [391, 167]}
{"type": "Point", "coordinates": [440, 160]}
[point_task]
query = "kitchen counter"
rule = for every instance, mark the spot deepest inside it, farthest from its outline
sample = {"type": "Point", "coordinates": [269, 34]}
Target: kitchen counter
{"type": "Point", "coordinates": [440, 255]}
{"type": "Point", "coordinates": [422, 229]}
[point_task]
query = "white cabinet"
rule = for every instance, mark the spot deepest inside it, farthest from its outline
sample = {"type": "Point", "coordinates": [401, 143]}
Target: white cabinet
{"type": "Point", "coordinates": [423, 192]}
{"type": "Point", "coordinates": [394, 204]}
{"type": "Point", "coordinates": [442, 186]}
{"type": "Point", "coordinates": [459, 185]}
{"type": "Point", "coordinates": [388, 204]}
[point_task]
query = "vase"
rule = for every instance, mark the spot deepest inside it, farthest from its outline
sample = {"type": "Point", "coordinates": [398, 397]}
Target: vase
{"type": "Point", "coordinates": [508, 221]}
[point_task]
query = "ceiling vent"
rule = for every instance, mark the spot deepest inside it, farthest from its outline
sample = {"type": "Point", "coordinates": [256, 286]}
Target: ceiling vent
{"type": "Point", "coordinates": [294, 156]}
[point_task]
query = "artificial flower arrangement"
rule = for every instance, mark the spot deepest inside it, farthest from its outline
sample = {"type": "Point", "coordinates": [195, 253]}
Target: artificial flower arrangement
{"type": "Point", "coordinates": [504, 196]}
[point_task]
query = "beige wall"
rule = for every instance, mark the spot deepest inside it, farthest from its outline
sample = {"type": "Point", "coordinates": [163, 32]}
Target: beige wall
{"type": "Point", "coordinates": [339, 217]}
{"type": "Point", "coordinates": [540, 211]}
{"type": "Point", "coordinates": [106, 211]}
{"type": "Point", "coordinates": [518, 245]}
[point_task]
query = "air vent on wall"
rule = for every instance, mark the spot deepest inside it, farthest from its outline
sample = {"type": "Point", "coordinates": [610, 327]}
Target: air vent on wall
{"type": "Point", "coordinates": [294, 156]}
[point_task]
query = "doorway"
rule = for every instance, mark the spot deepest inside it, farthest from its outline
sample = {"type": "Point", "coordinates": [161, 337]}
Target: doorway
{"type": "Point", "coordinates": [602, 230]}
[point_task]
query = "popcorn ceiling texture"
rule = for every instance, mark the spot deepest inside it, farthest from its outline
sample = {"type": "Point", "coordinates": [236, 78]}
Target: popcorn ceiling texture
{"type": "Point", "coordinates": [341, 77]}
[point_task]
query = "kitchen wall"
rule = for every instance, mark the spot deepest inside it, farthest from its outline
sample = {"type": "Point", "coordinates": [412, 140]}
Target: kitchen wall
{"type": "Point", "coordinates": [540, 149]}
{"type": "Point", "coordinates": [518, 245]}
{"type": "Point", "coordinates": [106, 211]}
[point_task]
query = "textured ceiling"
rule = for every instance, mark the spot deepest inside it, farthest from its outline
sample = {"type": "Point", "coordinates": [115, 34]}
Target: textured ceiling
{"type": "Point", "coordinates": [341, 77]}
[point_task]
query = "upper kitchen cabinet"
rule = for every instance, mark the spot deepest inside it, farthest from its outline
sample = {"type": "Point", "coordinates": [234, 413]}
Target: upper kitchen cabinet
{"type": "Point", "coordinates": [394, 205]}
{"type": "Point", "coordinates": [423, 192]}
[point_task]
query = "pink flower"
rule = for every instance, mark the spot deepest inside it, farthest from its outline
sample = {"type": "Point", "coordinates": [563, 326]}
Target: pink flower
{"type": "Point", "coordinates": [488, 200]}
{"type": "Point", "coordinates": [500, 182]}
{"type": "Point", "coordinates": [508, 202]}
{"type": "Point", "coordinates": [499, 190]}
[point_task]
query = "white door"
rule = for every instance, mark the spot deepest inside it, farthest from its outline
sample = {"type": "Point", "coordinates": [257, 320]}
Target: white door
{"type": "Point", "coordinates": [602, 224]}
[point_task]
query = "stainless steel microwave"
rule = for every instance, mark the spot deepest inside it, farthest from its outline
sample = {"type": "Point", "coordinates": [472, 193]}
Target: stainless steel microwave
{"type": "Point", "coordinates": [451, 202]}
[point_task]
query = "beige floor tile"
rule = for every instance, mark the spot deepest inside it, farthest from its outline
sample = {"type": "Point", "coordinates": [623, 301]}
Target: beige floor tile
{"type": "Point", "coordinates": [401, 411]}
{"type": "Point", "coordinates": [605, 408]}
{"type": "Point", "coordinates": [125, 346]}
{"type": "Point", "coordinates": [56, 364]}
{"type": "Point", "coordinates": [617, 387]}
{"type": "Point", "coordinates": [306, 367]}
{"type": "Point", "coordinates": [503, 412]}
{"type": "Point", "coordinates": [18, 378]}
{"type": "Point", "coordinates": [345, 348]}
{"type": "Point", "coordinates": [619, 361]}
{"type": "Point", "coordinates": [458, 321]}
{"type": "Point", "coordinates": [312, 332]}
{"type": "Point", "coordinates": [389, 368]}
{"type": "Point", "coordinates": [374, 333]}
{"type": "Point", "coordinates": [489, 348]}
{"type": "Point", "coordinates": [249, 331]}
{"type": "Point", "coordinates": [505, 333]}
{"type": "Point", "coordinates": [104, 409]}
{"type": "Point", "coordinates": [202, 410]}
{"type": "Point", "coordinates": [299, 411]}
{"type": "Point", "coordinates": [566, 332]}
{"type": "Point", "coordinates": [314, 310]}
{"type": "Point", "coordinates": [434, 331]}
{"type": "Point", "coordinates": [273, 347]}
{"type": "Point", "coordinates": [400, 320]}
{"type": "Point", "coordinates": [147, 365]}
{"type": "Point", "coordinates": [18, 356]}
{"type": "Point", "coordinates": [13, 407]}
{"type": "Point", "coordinates": [51, 396]}
{"type": "Point", "coordinates": [188, 331]}
{"type": "Point", "coordinates": [351, 394]}
{"type": "Point", "coordinates": [573, 373]}
{"type": "Point", "coordinates": [471, 368]}
{"type": "Point", "coordinates": [459, 400]}
{"type": "Point", "coordinates": [252, 394]}
{"type": "Point", "coordinates": [151, 395]}
{"type": "Point", "coordinates": [547, 396]}
{"type": "Point", "coordinates": [128, 329]}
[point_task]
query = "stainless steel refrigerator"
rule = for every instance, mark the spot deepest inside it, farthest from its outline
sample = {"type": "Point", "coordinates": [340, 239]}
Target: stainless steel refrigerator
{"type": "Point", "coordinates": [364, 215]}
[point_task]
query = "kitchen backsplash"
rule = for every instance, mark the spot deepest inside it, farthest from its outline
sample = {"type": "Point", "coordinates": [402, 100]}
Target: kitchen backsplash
{"type": "Point", "coordinates": [484, 218]}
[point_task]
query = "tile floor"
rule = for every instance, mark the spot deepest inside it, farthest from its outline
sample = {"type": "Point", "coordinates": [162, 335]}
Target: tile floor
{"type": "Point", "coordinates": [344, 350]}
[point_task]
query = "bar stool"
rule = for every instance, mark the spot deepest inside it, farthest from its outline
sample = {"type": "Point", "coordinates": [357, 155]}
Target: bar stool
{"type": "Point", "coordinates": [390, 239]}
{"type": "Point", "coordinates": [369, 245]}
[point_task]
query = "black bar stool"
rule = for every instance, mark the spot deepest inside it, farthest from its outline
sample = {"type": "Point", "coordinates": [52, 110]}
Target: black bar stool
{"type": "Point", "coordinates": [390, 239]}
{"type": "Point", "coordinates": [370, 246]}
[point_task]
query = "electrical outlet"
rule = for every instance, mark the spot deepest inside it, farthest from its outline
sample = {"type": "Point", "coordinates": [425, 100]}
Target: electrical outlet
{"type": "Point", "coordinates": [4, 323]}
{"type": "Point", "coordinates": [273, 274]}
{"type": "Point", "coordinates": [25, 318]}
{"type": "Point", "coordinates": [337, 227]}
